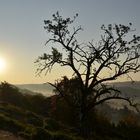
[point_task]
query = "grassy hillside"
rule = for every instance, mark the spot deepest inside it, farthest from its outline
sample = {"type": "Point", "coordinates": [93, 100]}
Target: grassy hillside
{"type": "Point", "coordinates": [36, 117]}
{"type": "Point", "coordinates": [28, 116]}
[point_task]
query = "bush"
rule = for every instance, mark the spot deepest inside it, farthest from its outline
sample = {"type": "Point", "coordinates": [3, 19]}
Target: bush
{"type": "Point", "coordinates": [34, 119]}
{"type": "Point", "coordinates": [25, 135]}
{"type": "Point", "coordinates": [10, 124]}
{"type": "Point", "coordinates": [51, 124]}
{"type": "Point", "coordinates": [128, 131]}
{"type": "Point", "coordinates": [61, 136]}
{"type": "Point", "coordinates": [41, 134]}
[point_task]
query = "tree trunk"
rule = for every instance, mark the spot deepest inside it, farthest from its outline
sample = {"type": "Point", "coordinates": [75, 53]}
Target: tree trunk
{"type": "Point", "coordinates": [84, 125]}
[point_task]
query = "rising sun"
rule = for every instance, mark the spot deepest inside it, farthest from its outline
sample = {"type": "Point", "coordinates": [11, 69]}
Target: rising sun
{"type": "Point", "coordinates": [2, 65]}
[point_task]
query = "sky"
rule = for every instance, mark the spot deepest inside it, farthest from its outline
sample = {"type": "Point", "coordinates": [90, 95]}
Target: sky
{"type": "Point", "coordinates": [22, 36]}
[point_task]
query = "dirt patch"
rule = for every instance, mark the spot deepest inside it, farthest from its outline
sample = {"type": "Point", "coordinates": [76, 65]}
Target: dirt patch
{"type": "Point", "coordinates": [4, 135]}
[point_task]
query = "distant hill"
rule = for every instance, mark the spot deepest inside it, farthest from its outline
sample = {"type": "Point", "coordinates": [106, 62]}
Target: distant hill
{"type": "Point", "coordinates": [135, 84]}
{"type": "Point", "coordinates": [127, 88]}
{"type": "Point", "coordinates": [45, 89]}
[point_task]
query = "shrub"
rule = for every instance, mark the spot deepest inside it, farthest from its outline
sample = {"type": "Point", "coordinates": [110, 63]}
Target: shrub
{"type": "Point", "coordinates": [10, 124]}
{"type": "Point", "coordinates": [61, 136]}
{"type": "Point", "coordinates": [41, 134]}
{"type": "Point", "coordinates": [34, 119]}
{"type": "Point", "coordinates": [51, 124]}
{"type": "Point", "coordinates": [25, 135]}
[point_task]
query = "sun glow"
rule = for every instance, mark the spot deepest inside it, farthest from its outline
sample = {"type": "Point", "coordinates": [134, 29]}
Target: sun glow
{"type": "Point", "coordinates": [2, 65]}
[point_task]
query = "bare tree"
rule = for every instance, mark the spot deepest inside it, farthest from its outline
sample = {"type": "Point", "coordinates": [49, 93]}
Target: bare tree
{"type": "Point", "coordinates": [117, 54]}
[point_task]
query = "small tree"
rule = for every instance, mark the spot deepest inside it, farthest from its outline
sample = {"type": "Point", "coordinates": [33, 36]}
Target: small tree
{"type": "Point", "coordinates": [116, 54]}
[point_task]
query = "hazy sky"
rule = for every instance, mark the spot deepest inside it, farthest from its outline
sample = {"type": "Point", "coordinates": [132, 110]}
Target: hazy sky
{"type": "Point", "coordinates": [22, 36]}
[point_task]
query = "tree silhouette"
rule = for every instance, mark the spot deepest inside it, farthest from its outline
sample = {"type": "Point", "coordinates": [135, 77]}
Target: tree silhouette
{"type": "Point", "coordinates": [116, 54]}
